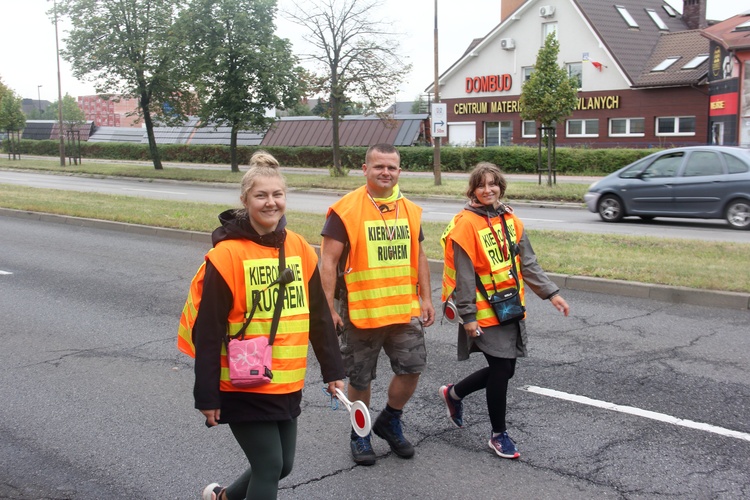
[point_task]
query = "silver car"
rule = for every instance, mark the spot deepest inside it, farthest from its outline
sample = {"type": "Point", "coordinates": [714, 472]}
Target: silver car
{"type": "Point", "coordinates": [705, 182]}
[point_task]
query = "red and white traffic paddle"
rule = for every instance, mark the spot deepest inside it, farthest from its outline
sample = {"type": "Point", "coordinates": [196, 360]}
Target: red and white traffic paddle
{"type": "Point", "coordinates": [450, 312]}
{"type": "Point", "coordinates": [360, 415]}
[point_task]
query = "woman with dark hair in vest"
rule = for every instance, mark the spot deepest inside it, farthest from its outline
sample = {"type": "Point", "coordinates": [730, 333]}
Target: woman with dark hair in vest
{"type": "Point", "coordinates": [485, 245]}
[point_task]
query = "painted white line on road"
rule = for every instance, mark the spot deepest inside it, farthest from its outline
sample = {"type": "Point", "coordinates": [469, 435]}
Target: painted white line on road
{"type": "Point", "coordinates": [662, 417]}
{"type": "Point", "coordinates": [5, 272]}
{"type": "Point", "coordinates": [154, 191]}
{"type": "Point", "coordinates": [542, 220]}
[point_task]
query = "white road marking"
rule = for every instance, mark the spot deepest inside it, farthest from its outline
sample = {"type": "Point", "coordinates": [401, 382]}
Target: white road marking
{"type": "Point", "coordinates": [542, 220]}
{"type": "Point", "coordinates": [5, 272]}
{"type": "Point", "coordinates": [154, 191]}
{"type": "Point", "coordinates": [662, 417]}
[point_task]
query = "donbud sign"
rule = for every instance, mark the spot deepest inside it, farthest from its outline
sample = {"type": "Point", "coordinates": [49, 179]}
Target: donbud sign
{"type": "Point", "coordinates": [488, 83]}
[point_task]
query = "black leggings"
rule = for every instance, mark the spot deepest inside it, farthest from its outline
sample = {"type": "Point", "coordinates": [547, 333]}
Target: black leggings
{"type": "Point", "coordinates": [494, 378]}
{"type": "Point", "coordinates": [270, 448]}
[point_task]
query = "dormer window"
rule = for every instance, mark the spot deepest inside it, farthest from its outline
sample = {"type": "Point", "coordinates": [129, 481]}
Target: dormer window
{"type": "Point", "coordinates": [666, 63]}
{"type": "Point", "coordinates": [626, 16]}
{"type": "Point", "coordinates": [657, 20]}
{"type": "Point", "coordinates": [696, 61]}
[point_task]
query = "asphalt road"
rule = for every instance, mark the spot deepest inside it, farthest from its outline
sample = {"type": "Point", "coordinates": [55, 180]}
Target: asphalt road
{"type": "Point", "coordinates": [97, 401]}
{"type": "Point", "coordinates": [534, 215]}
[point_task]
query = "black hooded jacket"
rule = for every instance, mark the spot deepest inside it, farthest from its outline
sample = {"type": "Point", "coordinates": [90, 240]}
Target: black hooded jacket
{"type": "Point", "coordinates": [211, 326]}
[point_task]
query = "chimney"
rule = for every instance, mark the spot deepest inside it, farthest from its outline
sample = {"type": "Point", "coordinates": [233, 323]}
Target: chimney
{"type": "Point", "coordinates": [508, 7]}
{"type": "Point", "coordinates": [694, 14]}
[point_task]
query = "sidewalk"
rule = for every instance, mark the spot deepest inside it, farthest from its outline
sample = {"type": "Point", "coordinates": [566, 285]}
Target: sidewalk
{"type": "Point", "coordinates": [672, 294]}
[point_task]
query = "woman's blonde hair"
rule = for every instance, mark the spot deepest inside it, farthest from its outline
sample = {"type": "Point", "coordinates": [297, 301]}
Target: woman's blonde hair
{"type": "Point", "coordinates": [262, 164]}
{"type": "Point", "coordinates": [477, 178]}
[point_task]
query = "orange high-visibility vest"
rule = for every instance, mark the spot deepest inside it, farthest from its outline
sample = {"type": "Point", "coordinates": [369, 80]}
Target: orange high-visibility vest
{"type": "Point", "coordinates": [248, 266]}
{"type": "Point", "coordinates": [472, 233]}
{"type": "Point", "coordinates": [382, 267]}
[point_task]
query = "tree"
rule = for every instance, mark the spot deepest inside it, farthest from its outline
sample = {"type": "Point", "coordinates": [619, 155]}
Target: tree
{"type": "Point", "coordinates": [239, 67]}
{"type": "Point", "coordinates": [356, 53]}
{"type": "Point", "coordinates": [419, 105]}
{"type": "Point", "coordinates": [12, 118]}
{"type": "Point", "coordinates": [72, 114]}
{"type": "Point", "coordinates": [548, 95]}
{"type": "Point", "coordinates": [127, 47]}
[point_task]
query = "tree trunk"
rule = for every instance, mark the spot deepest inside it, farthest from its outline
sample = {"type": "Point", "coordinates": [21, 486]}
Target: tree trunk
{"type": "Point", "coordinates": [145, 102]}
{"type": "Point", "coordinates": [233, 148]}
{"type": "Point", "coordinates": [338, 171]}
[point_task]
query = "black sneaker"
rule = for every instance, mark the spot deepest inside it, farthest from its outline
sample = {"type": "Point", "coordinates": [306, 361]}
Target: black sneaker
{"type": "Point", "coordinates": [362, 451]}
{"type": "Point", "coordinates": [388, 427]}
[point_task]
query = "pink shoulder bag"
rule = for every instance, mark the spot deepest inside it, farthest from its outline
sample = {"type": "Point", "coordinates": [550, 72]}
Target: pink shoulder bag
{"type": "Point", "coordinates": [250, 360]}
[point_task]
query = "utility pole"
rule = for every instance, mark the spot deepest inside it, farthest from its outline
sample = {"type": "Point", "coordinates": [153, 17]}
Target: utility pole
{"type": "Point", "coordinates": [436, 149]}
{"type": "Point", "coordinates": [39, 100]}
{"type": "Point", "coordinates": [59, 92]}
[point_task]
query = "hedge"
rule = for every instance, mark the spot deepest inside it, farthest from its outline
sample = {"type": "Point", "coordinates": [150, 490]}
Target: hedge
{"type": "Point", "coordinates": [512, 159]}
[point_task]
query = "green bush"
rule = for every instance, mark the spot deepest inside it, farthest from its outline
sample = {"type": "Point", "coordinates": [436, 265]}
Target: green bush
{"type": "Point", "coordinates": [512, 159]}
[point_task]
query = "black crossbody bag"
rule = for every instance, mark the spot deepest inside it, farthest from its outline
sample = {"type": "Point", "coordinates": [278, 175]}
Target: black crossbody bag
{"type": "Point", "coordinates": [506, 303]}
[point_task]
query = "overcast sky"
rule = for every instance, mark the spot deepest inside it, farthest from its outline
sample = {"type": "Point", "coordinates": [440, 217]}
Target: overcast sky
{"type": "Point", "coordinates": [27, 40]}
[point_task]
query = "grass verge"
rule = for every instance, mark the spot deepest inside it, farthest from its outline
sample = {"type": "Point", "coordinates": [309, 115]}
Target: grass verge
{"type": "Point", "coordinates": [421, 186]}
{"type": "Point", "coordinates": [677, 262]}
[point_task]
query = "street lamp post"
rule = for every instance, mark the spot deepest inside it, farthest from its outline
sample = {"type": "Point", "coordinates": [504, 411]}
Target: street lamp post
{"type": "Point", "coordinates": [436, 149]}
{"type": "Point", "coordinates": [39, 100]}
{"type": "Point", "coordinates": [59, 92]}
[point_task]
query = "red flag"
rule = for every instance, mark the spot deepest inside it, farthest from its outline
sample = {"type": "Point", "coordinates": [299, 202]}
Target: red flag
{"type": "Point", "coordinates": [597, 65]}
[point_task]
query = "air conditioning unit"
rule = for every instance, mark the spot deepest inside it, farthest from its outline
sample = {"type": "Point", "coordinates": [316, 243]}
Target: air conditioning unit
{"type": "Point", "coordinates": [547, 10]}
{"type": "Point", "coordinates": [507, 43]}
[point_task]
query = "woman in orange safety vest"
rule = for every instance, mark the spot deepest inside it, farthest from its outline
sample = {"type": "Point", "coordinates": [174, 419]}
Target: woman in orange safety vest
{"type": "Point", "coordinates": [485, 245]}
{"type": "Point", "coordinates": [245, 258]}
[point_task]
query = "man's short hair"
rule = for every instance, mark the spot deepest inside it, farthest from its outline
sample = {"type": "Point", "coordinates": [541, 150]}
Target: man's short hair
{"type": "Point", "coordinates": [383, 148]}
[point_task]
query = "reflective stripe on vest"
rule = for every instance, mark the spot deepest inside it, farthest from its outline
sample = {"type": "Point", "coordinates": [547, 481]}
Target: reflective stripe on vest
{"type": "Point", "coordinates": [245, 267]}
{"type": "Point", "coordinates": [383, 260]}
{"type": "Point", "coordinates": [471, 232]}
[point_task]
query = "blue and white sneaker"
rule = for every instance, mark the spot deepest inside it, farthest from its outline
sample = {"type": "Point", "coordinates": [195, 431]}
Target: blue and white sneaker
{"type": "Point", "coordinates": [504, 446]}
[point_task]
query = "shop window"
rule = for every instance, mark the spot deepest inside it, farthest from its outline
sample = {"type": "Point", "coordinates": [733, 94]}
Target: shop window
{"type": "Point", "coordinates": [548, 28]}
{"type": "Point", "coordinates": [582, 128]}
{"type": "Point", "coordinates": [526, 72]}
{"type": "Point", "coordinates": [528, 128]}
{"type": "Point", "coordinates": [498, 133]}
{"type": "Point", "coordinates": [623, 127]}
{"type": "Point", "coordinates": [675, 125]}
{"type": "Point", "coordinates": [575, 73]}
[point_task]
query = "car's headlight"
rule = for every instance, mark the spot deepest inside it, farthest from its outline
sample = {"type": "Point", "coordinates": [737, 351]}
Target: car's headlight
{"type": "Point", "coordinates": [592, 186]}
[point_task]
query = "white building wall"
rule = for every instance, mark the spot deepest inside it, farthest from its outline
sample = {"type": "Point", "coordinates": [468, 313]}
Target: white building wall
{"type": "Point", "coordinates": [575, 37]}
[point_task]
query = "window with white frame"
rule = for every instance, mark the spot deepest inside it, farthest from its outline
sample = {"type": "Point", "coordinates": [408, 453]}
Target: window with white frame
{"type": "Point", "coordinates": [548, 28]}
{"type": "Point", "coordinates": [657, 20]}
{"type": "Point", "coordinates": [582, 128]}
{"type": "Point", "coordinates": [498, 133]}
{"type": "Point", "coordinates": [528, 128]}
{"type": "Point", "coordinates": [575, 73]}
{"type": "Point", "coordinates": [627, 127]}
{"type": "Point", "coordinates": [675, 125]}
{"type": "Point", "coordinates": [626, 16]}
{"type": "Point", "coordinates": [526, 72]}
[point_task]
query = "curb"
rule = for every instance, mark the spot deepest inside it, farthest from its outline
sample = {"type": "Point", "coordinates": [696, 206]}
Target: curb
{"type": "Point", "coordinates": [663, 293]}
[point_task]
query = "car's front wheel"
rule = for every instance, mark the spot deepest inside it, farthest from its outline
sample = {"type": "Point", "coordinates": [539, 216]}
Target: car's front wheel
{"type": "Point", "coordinates": [738, 214]}
{"type": "Point", "coordinates": [611, 208]}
